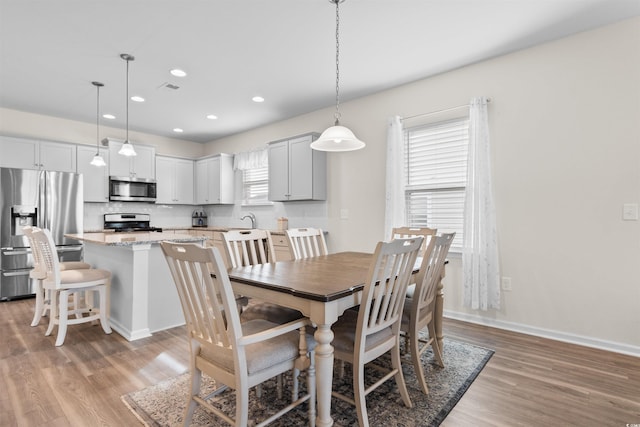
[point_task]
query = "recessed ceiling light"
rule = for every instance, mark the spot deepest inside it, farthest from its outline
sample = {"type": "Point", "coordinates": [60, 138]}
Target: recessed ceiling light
{"type": "Point", "coordinates": [137, 98]}
{"type": "Point", "coordinates": [109, 116]}
{"type": "Point", "coordinates": [212, 117]}
{"type": "Point", "coordinates": [258, 99]}
{"type": "Point", "coordinates": [178, 130]}
{"type": "Point", "coordinates": [178, 73]}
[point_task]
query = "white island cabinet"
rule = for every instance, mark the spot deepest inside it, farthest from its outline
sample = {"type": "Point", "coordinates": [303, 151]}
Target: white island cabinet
{"type": "Point", "coordinates": [142, 293]}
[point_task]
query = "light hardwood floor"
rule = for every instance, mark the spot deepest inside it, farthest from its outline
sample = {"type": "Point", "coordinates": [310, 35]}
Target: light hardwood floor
{"type": "Point", "coordinates": [529, 381]}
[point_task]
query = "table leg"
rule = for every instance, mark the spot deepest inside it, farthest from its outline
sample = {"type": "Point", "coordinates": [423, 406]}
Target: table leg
{"type": "Point", "coordinates": [324, 374]}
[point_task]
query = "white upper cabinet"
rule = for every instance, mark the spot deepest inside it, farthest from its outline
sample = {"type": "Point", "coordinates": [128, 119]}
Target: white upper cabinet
{"type": "Point", "coordinates": [214, 180]}
{"type": "Point", "coordinates": [174, 180]}
{"type": "Point", "coordinates": [96, 179]}
{"type": "Point", "coordinates": [22, 153]}
{"type": "Point", "coordinates": [142, 165]}
{"type": "Point", "coordinates": [296, 172]}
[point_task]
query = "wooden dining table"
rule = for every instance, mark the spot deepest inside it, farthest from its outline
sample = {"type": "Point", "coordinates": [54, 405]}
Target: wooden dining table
{"type": "Point", "coordinates": [322, 288]}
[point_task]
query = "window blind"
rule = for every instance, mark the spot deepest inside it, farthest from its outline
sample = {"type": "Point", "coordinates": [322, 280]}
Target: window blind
{"type": "Point", "coordinates": [435, 176]}
{"type": "Point", "coordinates": [255, 185]}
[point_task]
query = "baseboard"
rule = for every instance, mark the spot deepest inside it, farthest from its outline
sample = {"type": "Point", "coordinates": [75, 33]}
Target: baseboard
{"type": "Point", "coordinates": [126, 333]}
{"type": "Point", "coordinates": [546, 333]}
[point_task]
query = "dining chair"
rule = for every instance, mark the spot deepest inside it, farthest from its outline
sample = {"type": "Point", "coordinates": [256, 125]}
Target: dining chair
{"type": "Point", "coordinates": [248, 247]}
{"type": "Point", "coordinates": [408, 232]}
{"type": "Point", "coordinates": [418, 311]}
{"type": "Point", "coordinates": [43, 298]}
{"type": "Point", "coordinates": [60, 284]}
{"type": "Point", "coordinates": [363, 336]}
{"type": "Point", "coordinates": [236, 355]}
{"type": "Point", "coordinates": [255, 247]}
{"type": "Point", "coordinates": [306, 242]}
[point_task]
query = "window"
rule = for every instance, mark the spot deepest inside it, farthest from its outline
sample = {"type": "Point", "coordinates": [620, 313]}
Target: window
{"type": "Point", "coordinates": [255, 186]}
{"type": "Point", "coordinates": [435, 176]}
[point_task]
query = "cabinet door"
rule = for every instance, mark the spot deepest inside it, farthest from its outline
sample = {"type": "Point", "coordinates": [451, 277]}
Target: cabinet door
{"type": "Point", "coordinates": [165, 184]}
{"type": "Point", "coordinates": [202, 182]}
{"type": "Point", "coordinates": [96, 179]}
{"type": "Point", "coordinates": [300, 169]}
{"type": "Point", "coordinates": [119, 165]}
{"type": "Point", "coordinates": [226, 179]}
{"type": "Point", "coordinates": [214, 180]}
{"type": "Point", "coordinates": [144, 163]}
{"type": "Point", "coordinates": [279, 171]}
{"type": "Point", "coordinates": [56, 156]}
{"type": "Point", "coordinates": [18, 153]}
{"type": "Point", "coordinates": [183, 181]}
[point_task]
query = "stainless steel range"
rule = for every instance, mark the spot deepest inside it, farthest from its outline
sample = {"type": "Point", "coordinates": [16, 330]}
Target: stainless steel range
{"type": "Point", "coordinates": [128, 222]}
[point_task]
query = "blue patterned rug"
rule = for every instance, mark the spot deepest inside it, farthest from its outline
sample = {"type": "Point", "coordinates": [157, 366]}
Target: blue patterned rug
{"type": "Point", "coordinates": [162, 405]}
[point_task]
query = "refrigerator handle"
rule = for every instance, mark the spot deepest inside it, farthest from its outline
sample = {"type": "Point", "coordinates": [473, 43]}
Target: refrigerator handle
{"type": "Point", "coordinates": [43, 214]}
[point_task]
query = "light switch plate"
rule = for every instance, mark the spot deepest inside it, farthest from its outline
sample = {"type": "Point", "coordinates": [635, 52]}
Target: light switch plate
{"type": "Point", "coordinates": [630, 212]}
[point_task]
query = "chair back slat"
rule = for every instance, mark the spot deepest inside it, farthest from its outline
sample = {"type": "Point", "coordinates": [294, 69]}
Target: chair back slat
{"type": "Point", "coordinates": [386, 286]}
{"type": "Point", "coordinates": [205, 294]}
{"type": "Point", "coordinates": [306, 242]}
{"type": "Point", "coordinates": [429, 237]}
{"type": "Point", "coordinates": [248, 247]}
{"type": "Point", "coordinates": [425, 294]}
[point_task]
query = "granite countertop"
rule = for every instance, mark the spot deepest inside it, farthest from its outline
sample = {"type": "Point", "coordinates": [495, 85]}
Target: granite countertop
{"type": "Point", "coordinates": [133, 238]}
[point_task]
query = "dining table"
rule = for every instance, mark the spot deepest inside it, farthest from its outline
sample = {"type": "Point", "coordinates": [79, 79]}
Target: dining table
{"type": "Point", "coordinates": [322, 288]}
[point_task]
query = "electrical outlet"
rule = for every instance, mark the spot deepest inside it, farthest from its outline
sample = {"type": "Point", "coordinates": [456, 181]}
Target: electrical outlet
{"type": "Point", "coordinates": [506, 284]}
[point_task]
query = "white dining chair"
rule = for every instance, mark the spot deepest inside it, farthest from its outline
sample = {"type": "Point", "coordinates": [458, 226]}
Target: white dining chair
{"type": "Point", "coordinates": [418, 311]}
{"type": "Point", "coordinates": [236, 355]}
{"type": "Point", "coordinates": [255, 247]}
{"type": "Point", "coordinates": [363, 336]}
{"type": "Point", "coordinates": [306, 242]}
{"type": "Point", "coordinates": [60, 284]}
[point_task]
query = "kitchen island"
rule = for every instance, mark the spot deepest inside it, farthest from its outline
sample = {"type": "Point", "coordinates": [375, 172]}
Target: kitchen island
{"type": "Point", "coordinates": [143, 297]}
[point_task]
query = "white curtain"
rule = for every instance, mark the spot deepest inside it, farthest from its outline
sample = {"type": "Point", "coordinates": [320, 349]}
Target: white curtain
{"type": "Point", "coordinates": [481, 273]}
{"type": "Point", "coordinates": [394, 202]}
{"type": "Point", "coordinates": [251, 159]}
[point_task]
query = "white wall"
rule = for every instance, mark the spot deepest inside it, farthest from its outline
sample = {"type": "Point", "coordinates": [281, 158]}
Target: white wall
{"type": "Point", "coordinates": [37, 126]}
{"type": "Point", "coordinates": [565, 128]}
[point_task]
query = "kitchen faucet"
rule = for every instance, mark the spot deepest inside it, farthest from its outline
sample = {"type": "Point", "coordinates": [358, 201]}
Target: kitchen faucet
{"type": "Point", "coordinates": [252, 217]}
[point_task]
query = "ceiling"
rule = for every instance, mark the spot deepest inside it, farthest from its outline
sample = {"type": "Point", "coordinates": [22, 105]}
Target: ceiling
{"type": "Point", "coordinates": [282, 50]}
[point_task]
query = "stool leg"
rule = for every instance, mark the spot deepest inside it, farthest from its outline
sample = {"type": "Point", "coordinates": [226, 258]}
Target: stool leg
{"type": "Point", "coordinates": [63, 317]}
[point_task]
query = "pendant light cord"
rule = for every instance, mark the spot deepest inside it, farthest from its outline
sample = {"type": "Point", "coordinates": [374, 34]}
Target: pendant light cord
{"type": "Point", "coordinates": [98, 121]}
{"type": "Point", "coordinates": [127, 140]}
{"type": "Point", "coordinates": [337, 113]}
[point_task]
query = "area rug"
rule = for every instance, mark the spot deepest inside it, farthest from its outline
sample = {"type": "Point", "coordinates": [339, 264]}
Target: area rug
{"type": "Point", "coordinates": [162, 405]}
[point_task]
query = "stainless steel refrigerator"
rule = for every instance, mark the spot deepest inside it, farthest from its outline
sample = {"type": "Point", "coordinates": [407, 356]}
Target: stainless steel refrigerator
{"type": "Point", "coordinates": [45, 199]}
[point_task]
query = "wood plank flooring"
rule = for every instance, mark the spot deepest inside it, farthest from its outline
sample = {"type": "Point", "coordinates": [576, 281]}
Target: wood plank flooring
{"type": "Point", "coordinates": [529, 381]}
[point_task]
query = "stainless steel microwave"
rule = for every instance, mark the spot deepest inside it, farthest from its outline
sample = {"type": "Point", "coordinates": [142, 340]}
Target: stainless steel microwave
{"type": "Point", "coordinates": [125, 189]}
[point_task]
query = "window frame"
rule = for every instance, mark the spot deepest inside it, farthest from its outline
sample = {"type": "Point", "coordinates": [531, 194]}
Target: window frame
{"type": "Point", "coordinates": [440, 196]}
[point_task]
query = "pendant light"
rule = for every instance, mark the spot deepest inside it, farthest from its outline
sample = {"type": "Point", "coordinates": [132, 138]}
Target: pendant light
{"type": "Point", "coordinates": [337, 138]}
{"type": "Point", "coordinates": [97, 159]}
{"type": "Point", "coordinates": [127, 147]}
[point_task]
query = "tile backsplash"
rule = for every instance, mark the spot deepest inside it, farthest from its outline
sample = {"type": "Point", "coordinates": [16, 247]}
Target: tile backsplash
{"type": "Point", "coordinates": [299, 214]}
